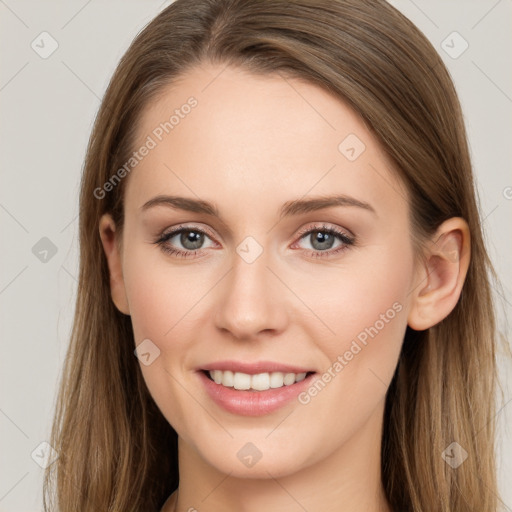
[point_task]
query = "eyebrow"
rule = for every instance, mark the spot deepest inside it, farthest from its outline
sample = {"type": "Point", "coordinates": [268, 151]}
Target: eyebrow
{"type": "Point", "coordinates": [290, 208]}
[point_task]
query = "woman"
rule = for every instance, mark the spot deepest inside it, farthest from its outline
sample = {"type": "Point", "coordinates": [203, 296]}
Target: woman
{"type": "Point", "coordinates": [284, 297]}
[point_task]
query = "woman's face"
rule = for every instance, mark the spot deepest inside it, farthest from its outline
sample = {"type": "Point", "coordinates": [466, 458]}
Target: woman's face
{"type": "Point", "coordinates": [270, 284]}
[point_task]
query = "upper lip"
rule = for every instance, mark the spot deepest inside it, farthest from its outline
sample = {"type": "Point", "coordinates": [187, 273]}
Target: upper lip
{"type": "Point", "coordinates": [253, 368]}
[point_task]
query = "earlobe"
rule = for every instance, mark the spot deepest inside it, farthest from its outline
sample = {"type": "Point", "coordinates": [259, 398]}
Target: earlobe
{"type": "Point", "coordinates": [110, 240]}
{"type": "Point", "coordinates": [441, 275]}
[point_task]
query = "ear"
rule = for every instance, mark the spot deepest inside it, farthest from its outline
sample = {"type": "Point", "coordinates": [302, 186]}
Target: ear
{"type": "Point", "coordinates": [440, 275]}
{"type": "Point", "coordinates": [111, 243]}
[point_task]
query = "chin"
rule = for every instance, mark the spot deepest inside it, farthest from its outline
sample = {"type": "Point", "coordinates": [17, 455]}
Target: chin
{"type": "Point", "coordinates": [256, 460]}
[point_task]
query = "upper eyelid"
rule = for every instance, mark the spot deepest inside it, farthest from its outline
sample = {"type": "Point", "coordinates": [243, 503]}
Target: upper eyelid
{"type": "Point", "coordinates": [178, 229]}
{"type": "Point", "coordinates": [300, 234]}
{"type": "Point", "coordinates": [326, 227]}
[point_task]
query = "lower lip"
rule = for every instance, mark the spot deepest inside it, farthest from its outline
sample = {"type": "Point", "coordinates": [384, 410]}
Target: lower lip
{"type": "Point", "coordinates": [253, 403]}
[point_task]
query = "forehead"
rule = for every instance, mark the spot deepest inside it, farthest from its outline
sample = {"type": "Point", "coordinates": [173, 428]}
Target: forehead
{"type": "Point", "coordinates": [219, 130]}
{"type": "Point", "coordinates": [255, 104]}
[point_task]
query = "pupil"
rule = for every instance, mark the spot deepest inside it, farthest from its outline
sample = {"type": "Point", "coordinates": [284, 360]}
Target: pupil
{"type": "Point", "coordinates": [321, 240]}
{"type": "Point", "coordinates": [191, 240]}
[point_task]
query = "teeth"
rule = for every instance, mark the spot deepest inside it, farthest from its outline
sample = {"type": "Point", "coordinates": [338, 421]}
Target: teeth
{"type": "Point", "coordinates": [257, 382]}
{"type": "Point", "coordinates": [227, 378]}
{"type": "Point", "coordinates": [289, 378]}
{"type": "Point", "coordinates": [217, 376]}
{"type": "Point", "coordinates": [276, 380]}
{"type": "Point", "coordinates": [260, 382]}
{"type": "Point", "coordinates": [241, 381]}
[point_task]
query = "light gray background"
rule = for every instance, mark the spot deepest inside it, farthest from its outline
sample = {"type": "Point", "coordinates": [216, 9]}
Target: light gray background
{"type": "Point", "coordinates": [48, 106]}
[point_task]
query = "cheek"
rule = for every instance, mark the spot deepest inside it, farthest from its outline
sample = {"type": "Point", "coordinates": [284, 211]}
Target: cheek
{"type": "Point", "coordinates": [162, 301]}
{"type": "Point", "coordinates": [361, 308]}
{"type": "Point", "coordinates": [367, 310]}
{"type": "Point", "coordinates": [161, 297]}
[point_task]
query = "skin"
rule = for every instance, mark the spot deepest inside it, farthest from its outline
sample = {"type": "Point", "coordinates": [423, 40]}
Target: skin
{"type": "Point", "coordinates": [252, 144]}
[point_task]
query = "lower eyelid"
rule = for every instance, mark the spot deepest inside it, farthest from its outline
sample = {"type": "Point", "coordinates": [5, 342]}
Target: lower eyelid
{"type": "Point", "coordinates": [166, 238]}
{"type": "Point", "coordinates": [339, 235]}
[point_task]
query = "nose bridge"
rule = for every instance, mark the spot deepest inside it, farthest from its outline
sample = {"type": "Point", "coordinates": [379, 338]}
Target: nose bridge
{"type": "Point", "coordinates": [250, 272]}
{"type": "Point", "coordinates": [251, 301]}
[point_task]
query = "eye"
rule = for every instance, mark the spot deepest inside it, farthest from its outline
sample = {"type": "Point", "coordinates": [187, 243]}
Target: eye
{"type": "Point", "coordinates": [190, 238]}
{"type": "Point", "coordinates": [325, 240]}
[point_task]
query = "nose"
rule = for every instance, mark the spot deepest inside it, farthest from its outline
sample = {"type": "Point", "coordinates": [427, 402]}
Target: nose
{"type": "Point", "coordinates": [252, 300]}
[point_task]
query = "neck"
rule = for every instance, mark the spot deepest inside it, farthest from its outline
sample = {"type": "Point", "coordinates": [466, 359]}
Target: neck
{"type": "Point", "coordinates": [347, 479]}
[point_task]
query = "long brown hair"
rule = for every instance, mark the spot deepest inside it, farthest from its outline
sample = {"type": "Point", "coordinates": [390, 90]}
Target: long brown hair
{"type": "Point", "coordinates": [117, 452]}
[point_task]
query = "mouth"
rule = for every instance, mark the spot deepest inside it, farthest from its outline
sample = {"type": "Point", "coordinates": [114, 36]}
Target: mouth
{"type": "Point", "coordinates": [263, 381]}
{"type": "Point", "coordinates": [254, 389]}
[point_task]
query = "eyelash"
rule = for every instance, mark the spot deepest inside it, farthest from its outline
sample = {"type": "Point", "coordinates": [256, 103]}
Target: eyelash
{"type": "Point", "coordinates": [340, 235]}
